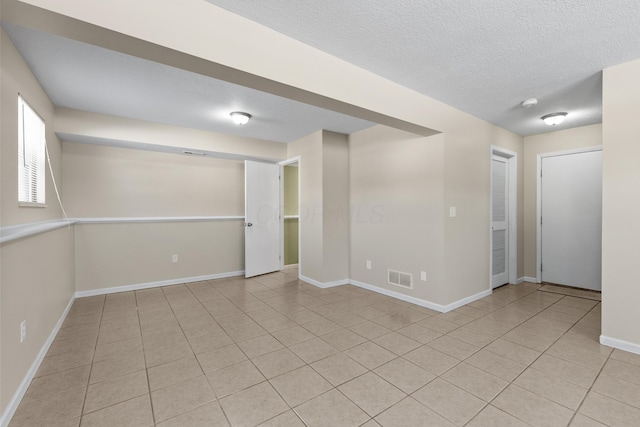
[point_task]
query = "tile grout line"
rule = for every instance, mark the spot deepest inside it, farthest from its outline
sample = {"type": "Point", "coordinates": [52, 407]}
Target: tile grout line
{"type": "Point", "coordinates": [95, 348]}
{"type": "Point", "coordinates": [499, 337]}
{"type": "Point", "coordinates": [194, 355]}
{"type": "Point", "coordinates": [314, 304]}
{"type": "Point", "coordinates": [144, 358]}
{"type": "Point", "coordinates": [512, 382]}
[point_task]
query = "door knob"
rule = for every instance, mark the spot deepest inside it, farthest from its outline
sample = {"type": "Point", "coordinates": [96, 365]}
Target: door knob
{"type": "Point", "coordinates": [249, 224]}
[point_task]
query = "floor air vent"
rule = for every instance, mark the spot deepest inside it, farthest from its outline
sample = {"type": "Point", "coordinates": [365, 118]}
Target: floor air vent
{"type": "Point", "coordinates": [399, 278]}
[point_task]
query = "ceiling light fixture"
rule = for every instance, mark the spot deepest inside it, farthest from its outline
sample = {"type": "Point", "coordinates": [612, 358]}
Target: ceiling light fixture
{"type": "Point", "coordinates": [554, 118]}
{"type": "Point", "coordinates": [240, 118]}
{"type": "Point", "coordinates": [528, 103]}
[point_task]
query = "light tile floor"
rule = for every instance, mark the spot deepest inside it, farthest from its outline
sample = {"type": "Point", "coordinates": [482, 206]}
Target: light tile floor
{"type": "Point", "coordinates": [275, 351]}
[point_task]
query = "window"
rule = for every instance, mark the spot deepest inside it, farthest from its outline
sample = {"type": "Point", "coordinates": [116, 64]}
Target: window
{"type": "Point", "coordinates": [31, 155]}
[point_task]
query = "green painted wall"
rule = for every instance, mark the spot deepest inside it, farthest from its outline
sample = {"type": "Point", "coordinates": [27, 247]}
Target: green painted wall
{"type": "Point", "coordinates": [290, 241]}
{"type": "Point", "coordinates": [290, 190]}
{"type": "Point", "coordinates": [290, 208]}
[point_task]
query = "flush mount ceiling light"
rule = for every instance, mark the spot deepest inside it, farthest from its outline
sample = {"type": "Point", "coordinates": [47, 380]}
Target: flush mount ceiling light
{"type": "Point", "coordinates": [240, 118]}
{"type": "Point", "coordinates": [554, 118]}
{"type": "Point", "coordinates": [528, 103]}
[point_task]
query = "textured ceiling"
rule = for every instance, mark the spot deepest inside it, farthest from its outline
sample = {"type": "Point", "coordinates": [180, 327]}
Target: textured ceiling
{"type": "Point", "coordinates": [85, 77]}
{"type": "Point", "coordinates": [482, 56]}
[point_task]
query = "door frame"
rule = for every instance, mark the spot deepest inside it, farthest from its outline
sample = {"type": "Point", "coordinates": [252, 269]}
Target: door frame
{"type": "Point", "coordinates": [539, 198]}
{"type": "Point", "coordinates": [512, 170]}
{"type": "Point", "coordinates": [282, 164]}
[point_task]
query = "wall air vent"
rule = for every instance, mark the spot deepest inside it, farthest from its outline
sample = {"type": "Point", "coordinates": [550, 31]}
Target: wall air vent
{"type": "Point", "coordinates": [399, 278]}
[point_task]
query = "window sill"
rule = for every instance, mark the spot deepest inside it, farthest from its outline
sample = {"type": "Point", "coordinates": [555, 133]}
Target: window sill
{"type": "Point", "coordinates": [31, 205]}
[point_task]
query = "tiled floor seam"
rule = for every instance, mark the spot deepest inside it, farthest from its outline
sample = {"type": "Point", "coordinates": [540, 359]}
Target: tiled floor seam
{"type": "Point", "coordinates": [577, 411]}
{"type": "Point", "coordinates": [144, 356]}
{"type": "Point", "coordinates": [95, 348]}
{"type": "Point", "coordinates": [514, 379]}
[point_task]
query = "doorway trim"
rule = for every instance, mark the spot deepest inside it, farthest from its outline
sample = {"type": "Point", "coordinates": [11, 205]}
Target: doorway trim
{"type": "Point", "coordinates": [539, 198]}
{"type": "Point", "coordinates": [512, 168]}
{"type": "Point", "coordinates": [282, 164]}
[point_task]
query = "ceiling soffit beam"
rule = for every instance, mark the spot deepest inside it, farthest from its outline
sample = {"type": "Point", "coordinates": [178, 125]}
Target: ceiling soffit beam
{"type": "Point", "coordinates": [95, 128]}
{"type": "Point", "coordinates": [382, 102]}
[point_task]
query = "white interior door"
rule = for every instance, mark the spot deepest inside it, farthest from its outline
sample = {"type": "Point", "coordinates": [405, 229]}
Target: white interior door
{"type": "Point", "coordinates": [571, 223]}
{"type": "Point", "coordinates": [262, 218]}
{"type": "Point", "coordinates": [499, 221]}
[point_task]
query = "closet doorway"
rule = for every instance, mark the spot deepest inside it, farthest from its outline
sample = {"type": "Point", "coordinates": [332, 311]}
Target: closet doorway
{"type": "Point", "coordinates": [290, 191]}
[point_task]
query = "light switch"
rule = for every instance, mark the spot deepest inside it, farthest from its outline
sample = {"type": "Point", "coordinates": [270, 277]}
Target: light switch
{"type": "Point", "coordinates": [452, 211]}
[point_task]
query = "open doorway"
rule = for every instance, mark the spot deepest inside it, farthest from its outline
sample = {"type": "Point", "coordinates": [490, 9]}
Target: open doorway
{"type": "Point", "coordinates": [290, 196]}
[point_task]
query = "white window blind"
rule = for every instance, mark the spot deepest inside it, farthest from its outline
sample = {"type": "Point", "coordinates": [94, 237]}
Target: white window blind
{"type": "Point", "coordinates": [31, 155]}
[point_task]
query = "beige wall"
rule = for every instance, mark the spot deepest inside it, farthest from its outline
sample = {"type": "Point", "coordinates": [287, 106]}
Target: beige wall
{"type": "Point", "coordinates": [37, 284]}
{"type": "Point", "coordinates": [112, 255]}
{"type": "Point", "coordinates": [119, 182]}
{"type": "Point", "coordinates": [397, 194]}
{"type": "Point", "coordinates": [18, 79]}
{"type": "Point", "coordinates": [467, 169]}
{"type": "Point", "coordinates": [37, 274]}
{"type": "Point", "coordinates": [335, 201]}
{"type": "Point", "coordinates": [104, 181]}
{"type": "Point", "coordinates": [569, 139]}
{"type": "Point", "coordinates": [621, 203]}
{"type": "Point", "coordinates": [416, 179]}
{"type": "Point", "coordinates": [324, 205]}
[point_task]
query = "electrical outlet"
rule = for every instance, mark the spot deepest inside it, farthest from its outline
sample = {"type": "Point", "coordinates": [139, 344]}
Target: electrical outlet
{"type": "Point", "coordinates": [368, 264]}
{"type": "Point", "coordinates": [174, 258]}
{"type": "Point", "coordinates": [23, 331]}
{"type": "Point", "coordinates": [423, 276]}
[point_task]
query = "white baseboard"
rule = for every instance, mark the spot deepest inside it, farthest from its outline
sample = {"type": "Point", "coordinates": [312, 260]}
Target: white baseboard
{"type": "Point", "coordinates": [620, 344]}
{"type": "Point", "coordinates": [530, 279]}
{"type": "Point", "coordinates": [5, 418]}
{"type": "Point", "coordinates": [136, 287]}
{"type": "Point", "coordinates": [467, 300]}
{"type": "Point", "coordinates": [422, 303]}
{"type": "Point", "coordinates": [519, 280]}
{"type": "Point", "coordinates": [324, 285]}
{"type": "Point", "coordinates": [290, 266]}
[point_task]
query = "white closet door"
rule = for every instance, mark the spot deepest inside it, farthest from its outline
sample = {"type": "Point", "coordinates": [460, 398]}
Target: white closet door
{"type": "Point", "coordinates": [571, 234]}
{"type": "Point", "coordinates": [499, 221]}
